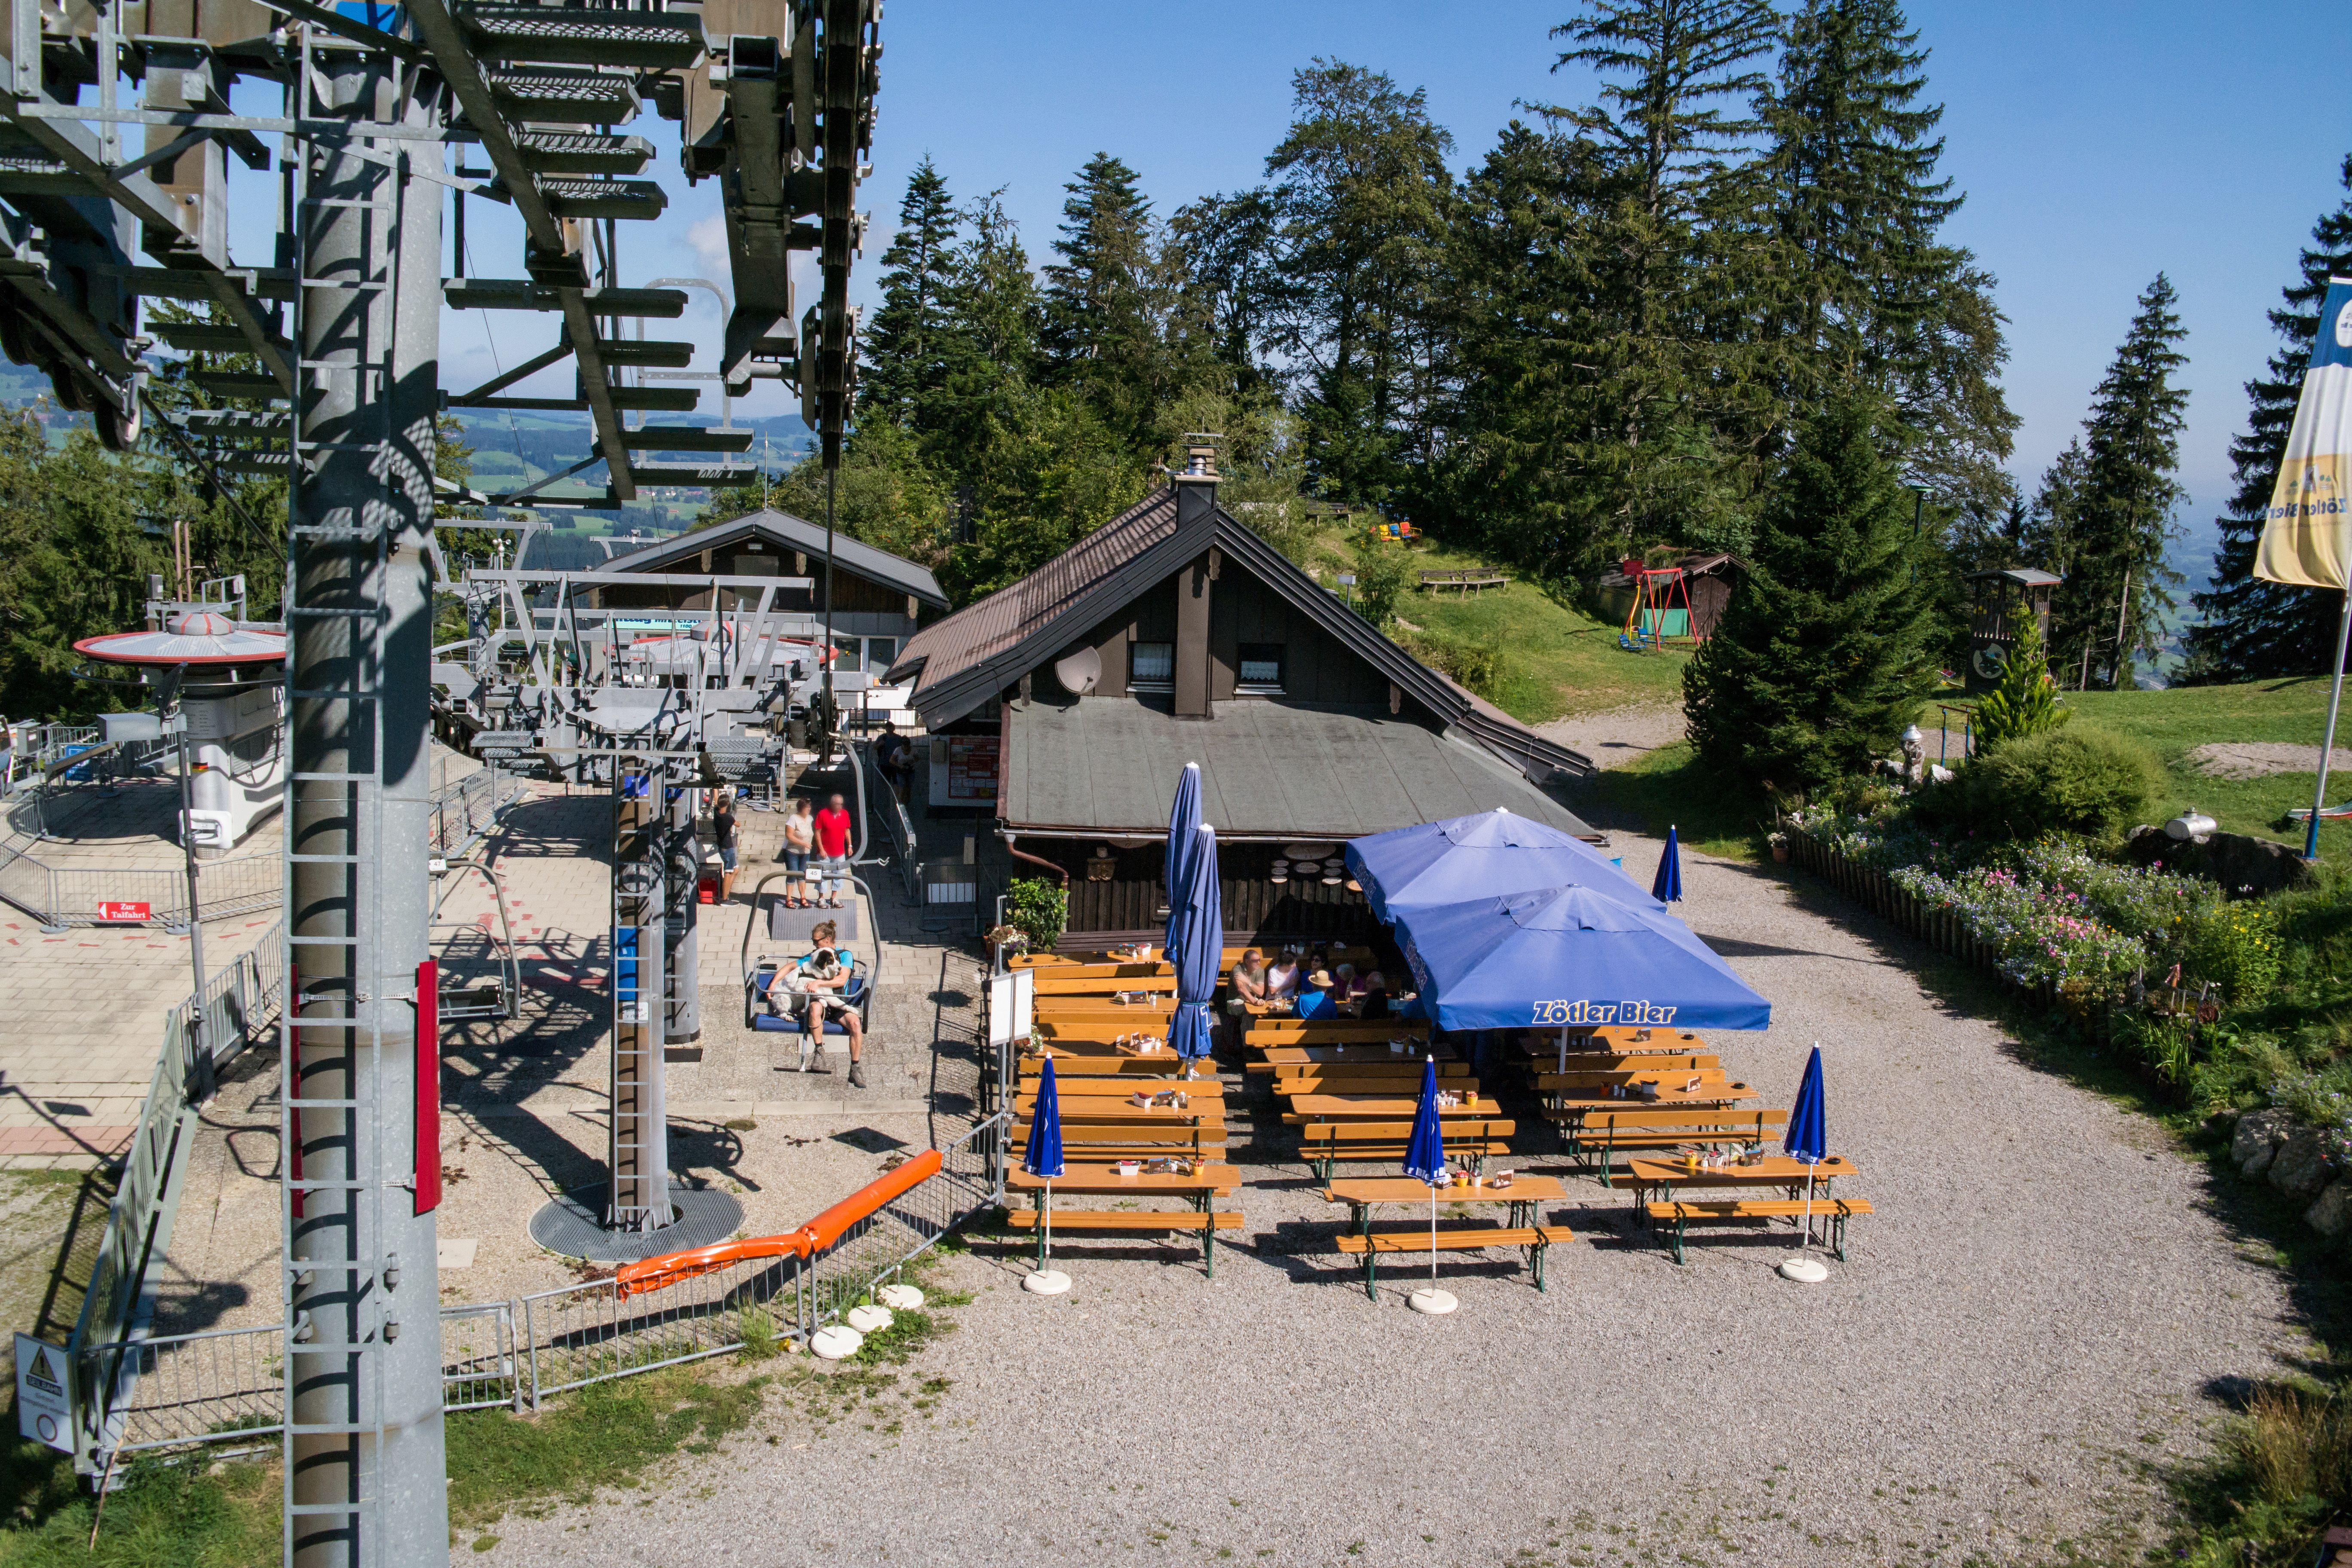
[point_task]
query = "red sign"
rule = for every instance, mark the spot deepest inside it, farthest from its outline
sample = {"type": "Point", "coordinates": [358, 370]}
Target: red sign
{"type": "Point", "coordinates": [123, 911]}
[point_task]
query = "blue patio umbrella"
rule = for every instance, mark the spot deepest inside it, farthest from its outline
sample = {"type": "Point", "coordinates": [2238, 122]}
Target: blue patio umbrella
{"type": "Point", "coordinates": [1184, 820]}
{"type": "Point", "coordinates": [1569, 958]}
{"type": "Point", "coordinates": [1043, 1158]}
{"type": "Point", "coordinates": [1481, 856]}
{"type": "Point", "coordinates": [1808, 1136]}
{"type": "Point", "coordinates": [1667, 889]}
{"type": "Point", "coordinates": [1196, 945]}
{"type": "Point", "coordinates": [1425, 1151]}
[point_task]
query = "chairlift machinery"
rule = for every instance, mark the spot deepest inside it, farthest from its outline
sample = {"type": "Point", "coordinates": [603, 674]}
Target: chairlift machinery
{"type": "Point", "coordinates": [117, 122]}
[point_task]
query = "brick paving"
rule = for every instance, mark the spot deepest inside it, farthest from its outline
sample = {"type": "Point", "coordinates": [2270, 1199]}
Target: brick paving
{"type": "Point", "coordinates": [81, 1011]}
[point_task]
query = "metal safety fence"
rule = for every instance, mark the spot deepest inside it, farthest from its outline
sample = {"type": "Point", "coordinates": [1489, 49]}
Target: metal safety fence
{"type": "Point", "coordinates": [239, 1006]}
{"type": "Point", "coordinates": [466, 810]}
{"type": "Point", "coordinates": [882, 805]}
{"type": "Point", "coordinates": [226, 1383]}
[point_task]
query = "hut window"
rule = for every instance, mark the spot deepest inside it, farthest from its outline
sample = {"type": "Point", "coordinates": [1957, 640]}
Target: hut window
{"type": "Point", "coordinates": [1152, 666]}
{"type": "Point", "coordinates": [1260, 667]}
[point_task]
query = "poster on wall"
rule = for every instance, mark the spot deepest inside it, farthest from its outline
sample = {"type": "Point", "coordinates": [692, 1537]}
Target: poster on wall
{"type": "Point", "coordinates": [963, 769]}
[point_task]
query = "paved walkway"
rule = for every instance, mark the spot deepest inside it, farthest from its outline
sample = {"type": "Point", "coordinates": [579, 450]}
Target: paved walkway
{"type": "Point", "coordinates": [81, 1012]}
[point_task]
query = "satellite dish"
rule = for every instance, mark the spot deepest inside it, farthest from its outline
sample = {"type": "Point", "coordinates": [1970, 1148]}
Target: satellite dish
{"type": "Point", "coordinates": [1079, 671]}
{"type": "Point", "coordinates": [1991, 661]}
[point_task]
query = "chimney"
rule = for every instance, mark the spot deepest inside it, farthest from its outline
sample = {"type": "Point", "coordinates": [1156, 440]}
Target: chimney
{"type": "Point", "coordinates": [1196, 483]}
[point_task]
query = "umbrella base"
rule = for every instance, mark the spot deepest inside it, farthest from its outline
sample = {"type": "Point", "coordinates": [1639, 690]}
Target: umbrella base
{"type": "Point", "coordinates": [1046, 1282]}
{"type": "Point", "coordinates": [836, 1342]}
{"type": "Point", "coordinates": [901, 1298]}
{"type": "Point", "coordinates": [869, 1319]}
{"type": "Point", "coordinates": [1433, 1301]}
{"type": "Point", "coordinates": [1805, 1270]}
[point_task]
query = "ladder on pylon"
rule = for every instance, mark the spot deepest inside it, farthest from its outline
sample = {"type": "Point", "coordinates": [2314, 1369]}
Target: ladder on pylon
{"type": "Point", "coordinates": [336, 980]}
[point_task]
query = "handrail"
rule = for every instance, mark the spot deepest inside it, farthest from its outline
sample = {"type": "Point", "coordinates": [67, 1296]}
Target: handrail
{"type": "Point", "coordinates": [823, 1231]}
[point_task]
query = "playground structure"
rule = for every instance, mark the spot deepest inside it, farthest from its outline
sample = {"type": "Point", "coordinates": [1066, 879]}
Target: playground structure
{"type": "Point", "coordinates": [334, 386]}
{"type": "Point", "coordinates": [1998, 602]}
{"type": "Point", "coordinates": [1675, 605]}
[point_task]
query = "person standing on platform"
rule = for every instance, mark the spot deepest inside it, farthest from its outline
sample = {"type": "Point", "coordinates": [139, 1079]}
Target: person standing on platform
{"type": "Point", "coordinates": [833, 850]}
{"type": "Point", "coordinates": [800, 846]}
{"type": "Point", "coordinates": [722, 826]}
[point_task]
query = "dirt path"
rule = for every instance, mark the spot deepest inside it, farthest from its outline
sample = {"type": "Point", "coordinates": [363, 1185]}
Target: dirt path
{"type": "Point", "coordinates": [1618, 737]}
{"type": "Point", "coordinates": [2030, 1324]}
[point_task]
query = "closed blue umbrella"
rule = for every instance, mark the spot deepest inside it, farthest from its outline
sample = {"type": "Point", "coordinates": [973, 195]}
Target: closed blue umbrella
{"type": "Point", "coordinates": [1196, 944]}
{"type": "Point", "coordinates": [1183, 823]}
{"type": "Point", "coordinates": [1481, 856]}
{"type": "Point", "coordinates": [1808, 1136]}
{"type": "Point", "coordinates": [1043, 1158]}
{"type": "Point", "coordinates": [1667, 887]}
{"type": "Point", "coordinates": [1425, 1157]}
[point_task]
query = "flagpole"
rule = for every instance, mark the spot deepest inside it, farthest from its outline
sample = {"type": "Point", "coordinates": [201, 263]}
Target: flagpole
{"type": "Point", "coordinates": [2327, 747]}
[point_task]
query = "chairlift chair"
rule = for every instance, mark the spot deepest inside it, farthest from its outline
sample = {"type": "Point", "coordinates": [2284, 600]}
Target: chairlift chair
{"type": "Point", "coordinates": [758, 977]}
{"type": "Point", "coordinates": [470, 989]}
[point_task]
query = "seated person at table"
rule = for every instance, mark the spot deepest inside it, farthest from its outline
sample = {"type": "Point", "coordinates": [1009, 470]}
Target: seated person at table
{"type": "Point", "coordinates": [1282, 978]}
{"type": "Point", "coordinates": [1375, 1000]}
{"type": "Point", "coordinates": [1249, 988]}
{"type": "Point", "coordinates": [815, 988]}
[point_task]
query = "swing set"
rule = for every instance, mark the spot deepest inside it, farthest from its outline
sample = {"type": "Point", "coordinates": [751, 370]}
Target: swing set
{"type": "Point", "coordinates": [1660, 615]}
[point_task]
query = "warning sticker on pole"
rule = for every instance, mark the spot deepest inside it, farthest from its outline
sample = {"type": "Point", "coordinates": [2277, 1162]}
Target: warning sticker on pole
{"type": "Point", "coordinates": [44, 1392]}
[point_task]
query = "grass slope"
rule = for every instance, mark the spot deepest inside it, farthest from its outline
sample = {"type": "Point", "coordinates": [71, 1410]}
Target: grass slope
{"type": "Point", "coordinates": [2175, 722]}
{"type": "Point", "coordinates": [1559, 660]}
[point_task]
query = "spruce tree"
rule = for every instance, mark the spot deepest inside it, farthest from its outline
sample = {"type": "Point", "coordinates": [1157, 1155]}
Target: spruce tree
{"type": "Point", "coordinates": [1667, 319]}
{"type": "Point", "coordinates": [1358, 216]}
{"type": "Point", "coordinates": [906, 342]}
{"type": "Point", "coordinates": [1821, 659]}
{"type": "Point", "coordinates": [2105, 518]}
{"type": "Point", "coordinates": [2249, 629]}
{"type": "Point", "coordinates": [1870, 291]}
{"type": "Point", "coordinates": [2026, 700]}
{"type": "Point", "coordinates": [1102, 333]}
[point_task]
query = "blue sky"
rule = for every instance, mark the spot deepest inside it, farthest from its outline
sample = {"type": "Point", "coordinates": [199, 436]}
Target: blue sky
{"type": "Point", "coordinates": [2095, 143]}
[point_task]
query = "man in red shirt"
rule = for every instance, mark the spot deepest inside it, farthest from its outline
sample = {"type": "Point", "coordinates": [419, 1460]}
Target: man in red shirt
{"type": "Point", "coordinates": [833, 851]}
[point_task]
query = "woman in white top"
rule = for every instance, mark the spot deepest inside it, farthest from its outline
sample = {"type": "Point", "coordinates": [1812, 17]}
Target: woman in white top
{"type": "Point", "coordinates": [1282, 978]}
{"type": "Point", "coordinates": [800, 842]}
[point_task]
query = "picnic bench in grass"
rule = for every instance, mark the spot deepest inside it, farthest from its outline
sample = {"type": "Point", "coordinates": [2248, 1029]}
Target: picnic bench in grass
{"type": "Point", "coordinates": [1605, 1133]}
{"type": "Point", "coordinates": [1684, 1214]}
{"type": "Point", "coordinates": [1474, 1141]}
{"type": "Point", "coordinates": [1474, 1237]}
{"type": "Point", "coordinates": [1469, 579]}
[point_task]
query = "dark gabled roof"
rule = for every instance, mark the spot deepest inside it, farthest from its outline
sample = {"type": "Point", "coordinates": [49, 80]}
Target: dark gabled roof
{"type": "Point", "coordinates": [1269, 769]}
{"type": "Point", "coordinates": [963, 661]}
{"type": "Point", "coordinates": [793, 533]}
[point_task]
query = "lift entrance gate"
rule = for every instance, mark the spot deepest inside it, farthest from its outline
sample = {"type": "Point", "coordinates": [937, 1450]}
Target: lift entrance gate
{"type": "Point", "coordinates": [116, 120]}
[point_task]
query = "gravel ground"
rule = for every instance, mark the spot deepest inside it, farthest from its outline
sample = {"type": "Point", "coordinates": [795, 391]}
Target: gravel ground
{"type": "Point", "coordinates": [2259, 759]}
{"type": "Point", "coordinates": [2041, 1305]}
{"type": "Point", "coordinates": [1618, 737]}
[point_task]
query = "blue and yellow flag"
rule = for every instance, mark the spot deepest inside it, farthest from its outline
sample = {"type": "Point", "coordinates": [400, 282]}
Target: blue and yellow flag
{"type": "Point", "coordinates": [2308, 539]}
